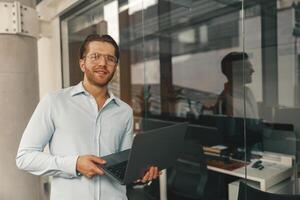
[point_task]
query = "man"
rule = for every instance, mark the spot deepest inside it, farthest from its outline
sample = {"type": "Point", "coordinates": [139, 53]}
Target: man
{"type": "Point", "coordinates": [238, 70]}
{"type": "Point", "coordinates": [81, 124]}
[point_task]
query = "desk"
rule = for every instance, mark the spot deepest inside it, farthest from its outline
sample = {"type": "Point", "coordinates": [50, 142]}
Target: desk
{"type": "Point", "coordinates": [278, 168]}
{"type": "Point", "coordinates": [272, 174]}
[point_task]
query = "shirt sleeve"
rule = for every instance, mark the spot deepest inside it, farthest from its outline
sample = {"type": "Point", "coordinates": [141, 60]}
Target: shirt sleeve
{"type": "Point", "coordinates": [37, 134]}
{"type": "Point", "coordinates": [127, 139]}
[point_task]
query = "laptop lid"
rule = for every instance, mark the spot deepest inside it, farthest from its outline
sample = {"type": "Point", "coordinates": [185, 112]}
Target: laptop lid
{"type": "Point", "coordinates": [158, 147]}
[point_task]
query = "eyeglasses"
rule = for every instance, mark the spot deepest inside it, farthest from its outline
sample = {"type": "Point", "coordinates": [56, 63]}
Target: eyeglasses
{"type": "Point", "coordinates": [109, 59]}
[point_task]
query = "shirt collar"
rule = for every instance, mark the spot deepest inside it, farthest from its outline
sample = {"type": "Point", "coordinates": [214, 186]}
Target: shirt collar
{"type": "Point", "coordinates": [79, 89]}
{"type": "Point", "coordinates": [113, 98]}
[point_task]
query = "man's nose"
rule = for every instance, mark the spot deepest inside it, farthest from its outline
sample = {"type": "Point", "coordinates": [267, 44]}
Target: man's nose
{"type": "Point", "coordinates": [101, 61]}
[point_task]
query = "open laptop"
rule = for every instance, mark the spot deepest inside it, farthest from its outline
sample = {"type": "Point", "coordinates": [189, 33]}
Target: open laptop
{"type": "Point", "coordinates": [159, 147]}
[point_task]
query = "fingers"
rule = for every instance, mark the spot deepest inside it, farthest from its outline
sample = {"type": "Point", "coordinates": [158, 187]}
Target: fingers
{"type": "Point", "coordinates": [87, 165]}
{"type": "Point", "coordinates": [150, 175]}
{"type": "Point", "coordinates": [156, 174]}
{"type": "Point", "coordinates": [99, 171]}
{"type": "Point", "coordinates": [98, 160]}
{"type": "Point", "coordinates": [93, 172]}
{"type": "Point", "coordinates": [145, 178]}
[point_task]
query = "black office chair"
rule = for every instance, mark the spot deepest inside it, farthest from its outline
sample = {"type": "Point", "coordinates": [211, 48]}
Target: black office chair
{"type": "Point", "coordinates": [187, 179]}
{"type": "Point", "coordinates": [249, 193]}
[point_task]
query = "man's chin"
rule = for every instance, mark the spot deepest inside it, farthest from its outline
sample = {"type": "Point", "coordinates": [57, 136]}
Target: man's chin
{"type": "Point", "coordinates": [99, 81]}
{"type": "Point", "coordinates": [101, 84]}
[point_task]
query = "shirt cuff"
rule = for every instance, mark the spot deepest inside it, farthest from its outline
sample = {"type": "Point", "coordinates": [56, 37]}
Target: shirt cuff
{"type": "Point", "coordinates": [69, 165]}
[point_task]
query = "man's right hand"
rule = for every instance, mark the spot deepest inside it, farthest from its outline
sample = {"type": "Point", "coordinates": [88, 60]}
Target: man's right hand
{"type": "Point", "coordinates": [87, 165]}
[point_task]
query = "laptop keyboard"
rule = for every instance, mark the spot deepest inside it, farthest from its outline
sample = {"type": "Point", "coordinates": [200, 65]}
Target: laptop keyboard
{"type": "Point", "coordinates": [118, 169]}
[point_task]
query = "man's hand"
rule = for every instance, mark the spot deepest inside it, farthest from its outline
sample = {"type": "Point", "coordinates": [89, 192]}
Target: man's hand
{"type": "Point", "coordinates": [87, 165]}
{"type": "Point", "coordinates": [150, 175]}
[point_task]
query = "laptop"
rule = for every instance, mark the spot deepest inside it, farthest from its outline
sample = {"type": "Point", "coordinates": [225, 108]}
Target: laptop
{"type": "Point", "coordinates": [159, 147]}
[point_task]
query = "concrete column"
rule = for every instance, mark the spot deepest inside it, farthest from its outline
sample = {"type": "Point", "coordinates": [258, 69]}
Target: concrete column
{"type": "Point", "coordinates": [19, 97]}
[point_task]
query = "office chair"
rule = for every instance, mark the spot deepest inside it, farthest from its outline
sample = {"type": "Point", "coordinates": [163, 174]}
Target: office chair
{"type": "Point", "coordinates": [187, 179]}
{"type": "Point", "coordinates": [249, 193]}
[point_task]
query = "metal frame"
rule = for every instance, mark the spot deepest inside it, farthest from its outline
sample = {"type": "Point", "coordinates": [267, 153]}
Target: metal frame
{"type": "Point", "coordinates": [18, 19]}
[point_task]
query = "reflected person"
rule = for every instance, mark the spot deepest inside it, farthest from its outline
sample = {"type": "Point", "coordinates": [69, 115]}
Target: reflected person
{"type": "Point", "coordinates": [238, 70]}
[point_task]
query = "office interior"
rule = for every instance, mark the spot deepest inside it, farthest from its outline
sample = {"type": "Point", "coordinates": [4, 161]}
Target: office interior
{"type": "Point", "coordinates": [243, 126]}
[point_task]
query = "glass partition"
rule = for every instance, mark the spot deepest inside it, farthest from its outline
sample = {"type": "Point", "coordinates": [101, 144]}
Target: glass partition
{"type": "Point", "coordinates": [270, 40]}
{"type": "Point", "coordinates": [228, 67]}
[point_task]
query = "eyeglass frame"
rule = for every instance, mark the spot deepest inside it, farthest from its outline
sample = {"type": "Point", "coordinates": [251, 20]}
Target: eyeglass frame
{"type": "Point", "coordinates": [106, 58]}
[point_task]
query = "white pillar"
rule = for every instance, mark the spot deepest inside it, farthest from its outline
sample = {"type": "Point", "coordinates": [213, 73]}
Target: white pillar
{"type": "Point", "coordinates": [19, 97]}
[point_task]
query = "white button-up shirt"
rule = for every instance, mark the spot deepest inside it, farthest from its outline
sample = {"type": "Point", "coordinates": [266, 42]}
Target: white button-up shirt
{"type": "Point", "coordinates": [70, 122]}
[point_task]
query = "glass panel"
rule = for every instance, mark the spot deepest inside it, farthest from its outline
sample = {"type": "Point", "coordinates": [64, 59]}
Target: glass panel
{"type": "Point", "coordinates": [228, 67]}
{"type": "Point", "coordinates": [271, 94]}
{"type": "Point", "coordinates": [186, 57]}
{"type": "Point", "coordinates": [132, 57]}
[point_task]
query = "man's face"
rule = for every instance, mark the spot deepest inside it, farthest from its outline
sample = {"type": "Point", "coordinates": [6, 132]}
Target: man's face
{"type": "Point", "coordinates": [238, 71]}
{"type": "Point", "coordinates": [97, 65]}
{"type": "Point", "coordinates": [248, 71]}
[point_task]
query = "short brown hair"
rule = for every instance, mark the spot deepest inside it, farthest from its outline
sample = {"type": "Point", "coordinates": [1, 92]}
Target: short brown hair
{"type": "Point", "coordinates": [229, 59]}
{"type": "Point", "coordinates": [100, 38]}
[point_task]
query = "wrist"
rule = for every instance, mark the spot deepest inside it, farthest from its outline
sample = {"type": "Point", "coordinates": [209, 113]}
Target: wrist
{"type": "Point", "coordinates": [76, 168]}
{"type": "Point", "coordinates": [78, 173]}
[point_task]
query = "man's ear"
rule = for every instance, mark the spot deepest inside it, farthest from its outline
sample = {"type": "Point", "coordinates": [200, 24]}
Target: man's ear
{"type": "Point", "coordinates": [82, 65]}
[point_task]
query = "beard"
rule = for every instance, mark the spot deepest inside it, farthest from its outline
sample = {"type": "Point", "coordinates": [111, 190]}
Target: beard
{"type": "Point", "coordinates": [100, 82]}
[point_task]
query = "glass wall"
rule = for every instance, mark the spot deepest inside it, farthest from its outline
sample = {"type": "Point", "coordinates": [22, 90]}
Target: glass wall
{"type": "Point", "coordinates": [228, 67]}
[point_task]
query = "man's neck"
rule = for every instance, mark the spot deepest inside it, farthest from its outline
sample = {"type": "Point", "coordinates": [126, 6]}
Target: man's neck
{"type": "Point", "coordinates": [98, 92]}
{"type": "Point", "coordinates": [234, 84]}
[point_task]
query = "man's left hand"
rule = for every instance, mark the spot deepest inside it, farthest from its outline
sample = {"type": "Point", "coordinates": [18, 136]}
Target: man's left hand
{"type": "Point", "coordinates": [150, 175]}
